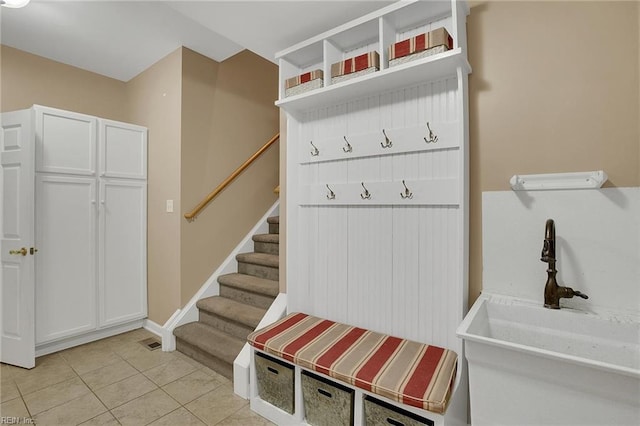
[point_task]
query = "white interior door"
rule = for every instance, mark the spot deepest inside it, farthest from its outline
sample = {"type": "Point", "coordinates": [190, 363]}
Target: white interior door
{"type": "Point", "coordinates": [17, 325]}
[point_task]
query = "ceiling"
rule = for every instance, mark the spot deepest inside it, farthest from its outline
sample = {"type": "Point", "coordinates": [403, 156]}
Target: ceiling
{"type": "Point", "coordinates": [120, 39]}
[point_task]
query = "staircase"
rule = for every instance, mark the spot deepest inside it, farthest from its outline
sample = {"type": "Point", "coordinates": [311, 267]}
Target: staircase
{"type": "Point", "coordinates": [225, 320]}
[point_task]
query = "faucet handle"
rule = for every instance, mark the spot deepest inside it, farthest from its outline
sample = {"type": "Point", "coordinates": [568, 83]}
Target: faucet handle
{"type": "Point", "coordinates": [577, 293]}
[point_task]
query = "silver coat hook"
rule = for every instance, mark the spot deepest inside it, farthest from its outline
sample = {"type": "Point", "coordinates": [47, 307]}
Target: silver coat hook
{"type": "Point", "coordinates": [432, 136]}
{"type": "Point", "coordinates": [387, 142]}
{"type": "Point", "coordinates": [407, 194]}
{"type": "Point", "coordinates": [331, 195]}
{"type": "Point", "coordinates": [366, 195]}
{"type": "Point", "coordinates": [315, 151]}
{"type": "Point", "coordinates": [347, 148]}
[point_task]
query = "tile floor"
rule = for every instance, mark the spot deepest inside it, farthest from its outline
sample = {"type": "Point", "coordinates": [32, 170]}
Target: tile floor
{"type": "Point", "coordinates": [119, 381]}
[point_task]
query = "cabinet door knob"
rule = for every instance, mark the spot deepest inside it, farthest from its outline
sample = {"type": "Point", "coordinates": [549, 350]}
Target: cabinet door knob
{"type": "Point", "coordinates": [21, 252]}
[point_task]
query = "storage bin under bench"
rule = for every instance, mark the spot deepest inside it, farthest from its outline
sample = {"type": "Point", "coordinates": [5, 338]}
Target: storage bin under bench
{"type": "Point", "coordinates": [401, 370]}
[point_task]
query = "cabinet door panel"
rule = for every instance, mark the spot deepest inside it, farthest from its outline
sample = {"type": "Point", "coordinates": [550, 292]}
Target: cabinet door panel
{"type": "Point", "coordinates": [123, 150]}
{"type": "Point", "coordinates": [66, 261]}
{"type": "Point", "coordinates": [122, 251]}
{"type": "Point", "coordinates": [65, 142]}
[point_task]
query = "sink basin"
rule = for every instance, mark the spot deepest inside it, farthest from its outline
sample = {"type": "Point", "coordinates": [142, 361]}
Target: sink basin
{"type": "Point", "coordinates": [582, 367]}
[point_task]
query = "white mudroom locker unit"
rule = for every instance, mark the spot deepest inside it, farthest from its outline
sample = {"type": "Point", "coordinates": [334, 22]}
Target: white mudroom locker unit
{"type": "Point", "coordinates": [74, 230]}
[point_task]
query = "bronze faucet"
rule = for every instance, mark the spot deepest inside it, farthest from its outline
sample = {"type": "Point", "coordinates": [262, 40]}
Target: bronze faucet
{"type": "Point", "coordinates": [552, 291]}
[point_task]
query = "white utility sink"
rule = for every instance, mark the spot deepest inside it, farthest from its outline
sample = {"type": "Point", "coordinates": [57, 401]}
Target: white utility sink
{"type": "Point", "coordinates": [532, 365]}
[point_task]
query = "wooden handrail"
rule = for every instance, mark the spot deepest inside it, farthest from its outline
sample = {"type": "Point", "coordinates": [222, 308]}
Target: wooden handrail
{"type": "Point", "coordinates": [197, 209]}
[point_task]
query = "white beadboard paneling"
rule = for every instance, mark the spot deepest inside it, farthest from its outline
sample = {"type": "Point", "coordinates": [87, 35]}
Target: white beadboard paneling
{"type": "Point", "coordinates": [389, 264]}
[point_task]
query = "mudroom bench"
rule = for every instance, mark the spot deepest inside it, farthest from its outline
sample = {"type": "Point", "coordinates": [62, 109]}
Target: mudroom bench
{"type": "Point", "coordinates": [309, 370]}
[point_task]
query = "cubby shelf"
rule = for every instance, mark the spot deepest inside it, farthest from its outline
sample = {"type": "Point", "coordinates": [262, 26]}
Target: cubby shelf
{"type": "Point", "coordinates": [426, 69]}
{"type": "Point", "coordinates": [376, 32]}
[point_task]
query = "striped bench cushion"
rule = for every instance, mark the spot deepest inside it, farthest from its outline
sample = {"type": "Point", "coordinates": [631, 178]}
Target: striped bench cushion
{"type": "Point", "coordinates": [408, 372]}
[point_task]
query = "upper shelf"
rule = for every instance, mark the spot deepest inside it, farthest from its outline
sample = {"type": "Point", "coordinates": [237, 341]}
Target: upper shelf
{"type": "Point", "coordinates": [425, 69]}
{"type": "Point", "coordinates": [376, 32]}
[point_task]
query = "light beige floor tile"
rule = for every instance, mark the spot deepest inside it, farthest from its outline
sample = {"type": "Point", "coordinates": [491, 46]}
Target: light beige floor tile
{"type": "Point", "coordinates": [14, 408]}
{"type": "Point", "coordinates": [73, 412]}
{"type": "Point", "coordinates": [130, 336]}
{"type": "Point", "coordinates": [167, 373]}
{"type": "Point", "coordinates": [110, 374]}
{"type": "Point", "coordinates": [128, 350]}
{"type": "Point", "coordinates": [216, 405]}
{"type": "Point", "coordinates": [8, 390]}
{"type": "Point", "coordinates": [49, 360]}
{"type": "Point", "coordinates": [105, 419]}
{"type": "Point", "coordinates": [44, 375]}
{"type": "Point", "coordinates": [55, 395]}
{"type": "Point", "coordinates": [10, 371]}
{"type": "Point", "coordinates": [89, 359]}
{"type": "Point", "coordinates": [125, 390]}
{"type": "Point", "coordinates": [192, 386]}
{"type": "Point", "coordinates": [181, 417]}
{"type": "Point", "coordinates": [145, 409]}
{"type": "Point", "coordinates": [150, 359]}
{"type": "Point", "coordinates": [245, 417]}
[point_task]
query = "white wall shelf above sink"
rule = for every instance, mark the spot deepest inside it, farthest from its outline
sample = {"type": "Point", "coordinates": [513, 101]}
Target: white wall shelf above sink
{"type": "Point", "coordinates": [579, 180]}
{"type": "Point", "coordinates": [426, 69]}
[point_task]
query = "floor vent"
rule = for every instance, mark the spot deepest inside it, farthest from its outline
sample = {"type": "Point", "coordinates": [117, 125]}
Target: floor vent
{"type": "Point", "coordinates": [151, 343]}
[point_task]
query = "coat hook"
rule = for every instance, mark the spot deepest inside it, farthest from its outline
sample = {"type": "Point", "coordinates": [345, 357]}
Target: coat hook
{"type": "Point", "coordinates": [366, 195]}
{"type": "Point", "coordinates": [331, 195]}
{"type": "Point", "coordinates": [407, 194]}
{"type": "Point", "coordinates": [432, 137]}
{"type": "Point", "coordinates": [347, 148]}
{"type": "Point", "coordinates": [387, 142]}
{"type": "Point", "coordinates": [315, 151]}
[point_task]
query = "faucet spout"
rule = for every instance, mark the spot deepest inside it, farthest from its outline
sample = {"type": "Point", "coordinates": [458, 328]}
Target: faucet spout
{"type": "Point", "coordinates": [552, 291]}
{"type": "Point", "coordinates": [549, 248]}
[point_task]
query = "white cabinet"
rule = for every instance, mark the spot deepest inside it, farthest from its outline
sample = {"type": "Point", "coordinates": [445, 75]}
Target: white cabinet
{"type": "Point", "coordinates": [91, 209]}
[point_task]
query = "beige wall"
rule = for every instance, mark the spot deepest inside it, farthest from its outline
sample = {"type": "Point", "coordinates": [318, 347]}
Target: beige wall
{"type": "Point", "coordinates": [554, 88]}
{"type": "Point", "coordinates": [28, 79]}
{"type": "Point", "coordinates": [228, 113]}
{"type": "Point", "coordinates": [154, 101]}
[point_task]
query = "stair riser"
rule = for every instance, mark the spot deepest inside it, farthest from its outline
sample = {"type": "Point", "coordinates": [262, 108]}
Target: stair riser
{"type": "Point", "coordinates": [258, 271]}
{"type": "Point", "coordinates": [274, 228]}
{"type": "Point", "coordinates": [237, 330]}
{"type": "Point", "coordinates": [214, 363]}
{"type": "Point", "coordinates": [270, 248]}
{"type": "Point", "coordinates": [257, 300]}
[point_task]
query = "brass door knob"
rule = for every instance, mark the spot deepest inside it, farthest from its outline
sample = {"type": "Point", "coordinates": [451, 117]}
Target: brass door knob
{"type": "Point", "coordinates": [22, 251]}
{"type": "Point", "coordinates": [33, 251]}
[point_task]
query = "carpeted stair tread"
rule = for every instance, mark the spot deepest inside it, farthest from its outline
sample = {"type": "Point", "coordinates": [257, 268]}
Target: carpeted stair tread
{"type": "Point", "coordinates": [273, 219]}
{"type": "Point", "coordinates": [263, 259]}
{"type": "Point", "coordinates": [210, 340]}
{"type": "Point", "coordinates": [247, 315]}
{"type": "Point", "coordinates": [267, 238]}
{"type": "Point", "coordinates": [251, 284]}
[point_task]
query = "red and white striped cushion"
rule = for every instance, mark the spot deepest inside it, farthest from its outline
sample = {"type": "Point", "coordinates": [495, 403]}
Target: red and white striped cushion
{"type": "Point", "coordinates": [405, 371]}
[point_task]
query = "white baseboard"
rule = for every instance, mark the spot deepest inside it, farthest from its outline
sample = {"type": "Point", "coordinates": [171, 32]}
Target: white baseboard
{"type": "Point", "coordinates": [153, 327]}
{"type": "Point", "coordinates": [59, 345]}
